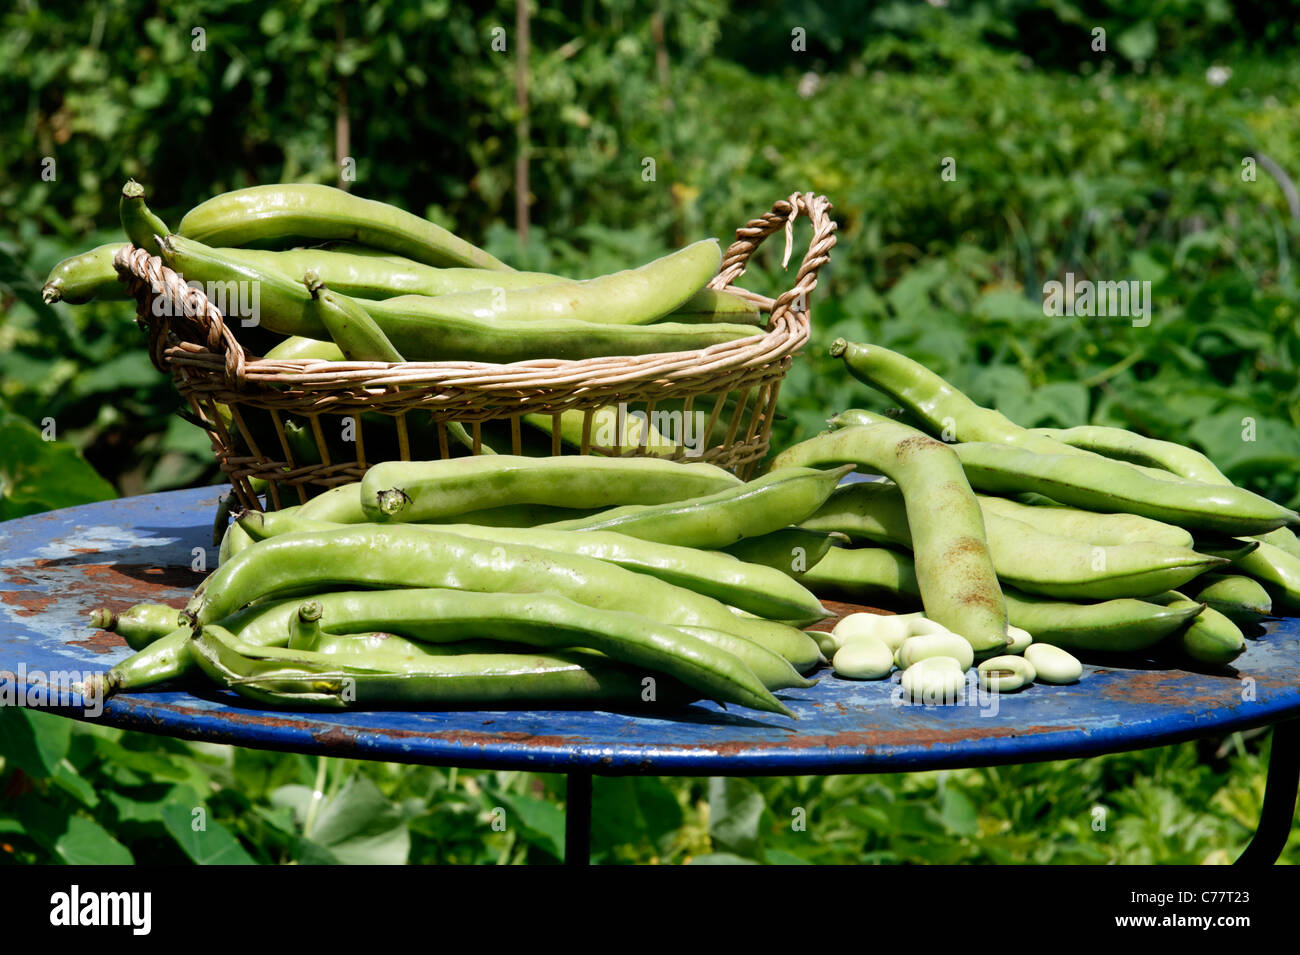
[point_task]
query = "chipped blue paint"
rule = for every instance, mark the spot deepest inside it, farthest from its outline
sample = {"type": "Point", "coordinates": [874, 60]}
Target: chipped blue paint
{"type": "Point", "coordinates": [56, 567]}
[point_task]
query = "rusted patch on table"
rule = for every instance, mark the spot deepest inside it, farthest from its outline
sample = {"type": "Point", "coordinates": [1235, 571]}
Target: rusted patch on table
{"type": "Point", "coordinates": [877, 738]}
{"type": "Point", "coordinates": [228, 715]}
{"type": "Point", "coordinates": [1155, 687]}
{"type": "Point", "coordinates": [101, 641]}
{"type": "Point", "coordinates": [343, 735]}
{"type": "Point", "coordinates": [116, 586]}
{"type": "Point", "coordinates": [29, 602]}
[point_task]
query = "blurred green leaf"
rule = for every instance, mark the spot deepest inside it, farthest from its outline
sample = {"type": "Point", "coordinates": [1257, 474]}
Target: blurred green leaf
{"type": "Point", "coordinates": [210, 844]}
{"type": "Point", "coordinates": [33, 741]}
{"type": "Point", "coordinates": [540, 821]}
{"type": "Point", "coordinates": [85, 842]}
{"type": "Point", "coordinates": [358, 826]}
{"type": "Point", "coordinates": [38, 475]}
{"type": "Point", "coordinates": [735, 815]}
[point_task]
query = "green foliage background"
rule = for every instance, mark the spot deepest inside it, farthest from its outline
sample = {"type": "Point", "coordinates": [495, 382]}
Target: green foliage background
{"type": "Point", "coordinates": [1126, 163]}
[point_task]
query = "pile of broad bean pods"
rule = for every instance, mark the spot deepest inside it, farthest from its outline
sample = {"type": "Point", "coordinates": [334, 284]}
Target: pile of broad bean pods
{"type": "Point", "coordinates": [1091, 540]}
{"type": "Point", "coordinates": [426, 584]}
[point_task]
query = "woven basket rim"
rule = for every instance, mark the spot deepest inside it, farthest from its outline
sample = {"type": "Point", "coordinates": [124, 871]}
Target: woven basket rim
{"type": "Point", "coordinates": [219, 353]}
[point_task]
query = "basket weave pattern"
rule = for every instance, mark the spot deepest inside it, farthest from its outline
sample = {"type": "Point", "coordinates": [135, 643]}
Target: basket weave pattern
{"type": "Point", "coordinates": [728, 391]}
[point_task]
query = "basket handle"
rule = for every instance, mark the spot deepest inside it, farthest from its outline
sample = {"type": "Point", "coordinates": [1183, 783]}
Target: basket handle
{"type": "Point", "coordinates": [158, 292]}
{"type": "Point", "coordinates": [751, 235]}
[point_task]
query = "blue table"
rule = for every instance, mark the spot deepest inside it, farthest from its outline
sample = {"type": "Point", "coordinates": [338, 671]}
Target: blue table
{"type": "Point", "coordinates": [55, 567]}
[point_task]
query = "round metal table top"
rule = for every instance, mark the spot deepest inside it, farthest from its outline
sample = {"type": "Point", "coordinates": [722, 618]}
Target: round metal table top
{"type": "Point", "coordinates": [55, 567]}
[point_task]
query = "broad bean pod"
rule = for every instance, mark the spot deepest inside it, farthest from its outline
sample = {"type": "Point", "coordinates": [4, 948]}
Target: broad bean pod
{"type": "Point", "coordinates": [959, 584]}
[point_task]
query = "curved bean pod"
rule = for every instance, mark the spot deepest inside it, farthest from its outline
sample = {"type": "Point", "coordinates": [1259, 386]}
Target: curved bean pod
{"type": "Point", "coordinates": [371, 276]}
{"type": "Point", "coordinates": [555, 623]}
{"type": "Point", "coordinates": [1108, 486]}
{"type": "Point", "coordinates": [947, 413]}
{"type": "Point", "coordinates": [1277, 570]}
{"type": "Point", "coordinates": [1210, 637]}
{"type": "Point", "coordinates": [713, 305]}
{"type": "Point", "coordinates": [139, 223]}
{"type": "Point", "coordinates": [631, 297]}
{"type": "Point", "coordinates": [1123, 625]}
{"type": "Point", "coordinates": [350, 328]}
{"type": "Point", "coordinates": [437, 619]}
{"type": "Point", "coordinates": [1167, 455]}
{"type": "Point", "coordinates": [791, 550]}
{"type": "Point", "coordinates": [163, 659]}
{"type": "Point", "coordinates": [166, 658]}
{"type": "Point", "coordinates": [140, 625]}
{"type": "Point", "coordinates": [83, 278]}
{"type": "Point", "coordinates": [422, 336]}
{"type": "Point", "coordinates": [1089, 526]}
{"type": "Point", "coordinates": [434, 680]}
{"type": "Point", "coordinates": [1240, 599]}
{"type": "Point", "coordinates": [766, 504]}
{"type": "Point", "coordinates": [286, 213]}
{"type": "Point", "coordinates": [1134, 448]}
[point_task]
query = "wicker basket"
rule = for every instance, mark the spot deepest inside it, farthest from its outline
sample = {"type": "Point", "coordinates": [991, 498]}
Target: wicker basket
{"type": "Point", "coordinates": [355, 414]}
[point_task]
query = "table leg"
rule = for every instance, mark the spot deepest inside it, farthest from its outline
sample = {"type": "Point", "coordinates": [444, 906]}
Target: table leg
{"type": "Point", "coordinates": [577, 820]}
{"type": "Point", "coordinates": [1279, 797]}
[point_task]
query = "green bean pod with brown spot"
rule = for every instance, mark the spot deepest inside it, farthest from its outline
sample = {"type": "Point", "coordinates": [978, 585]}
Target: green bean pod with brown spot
{"type": "Point", "coordinates": [959, 585]}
